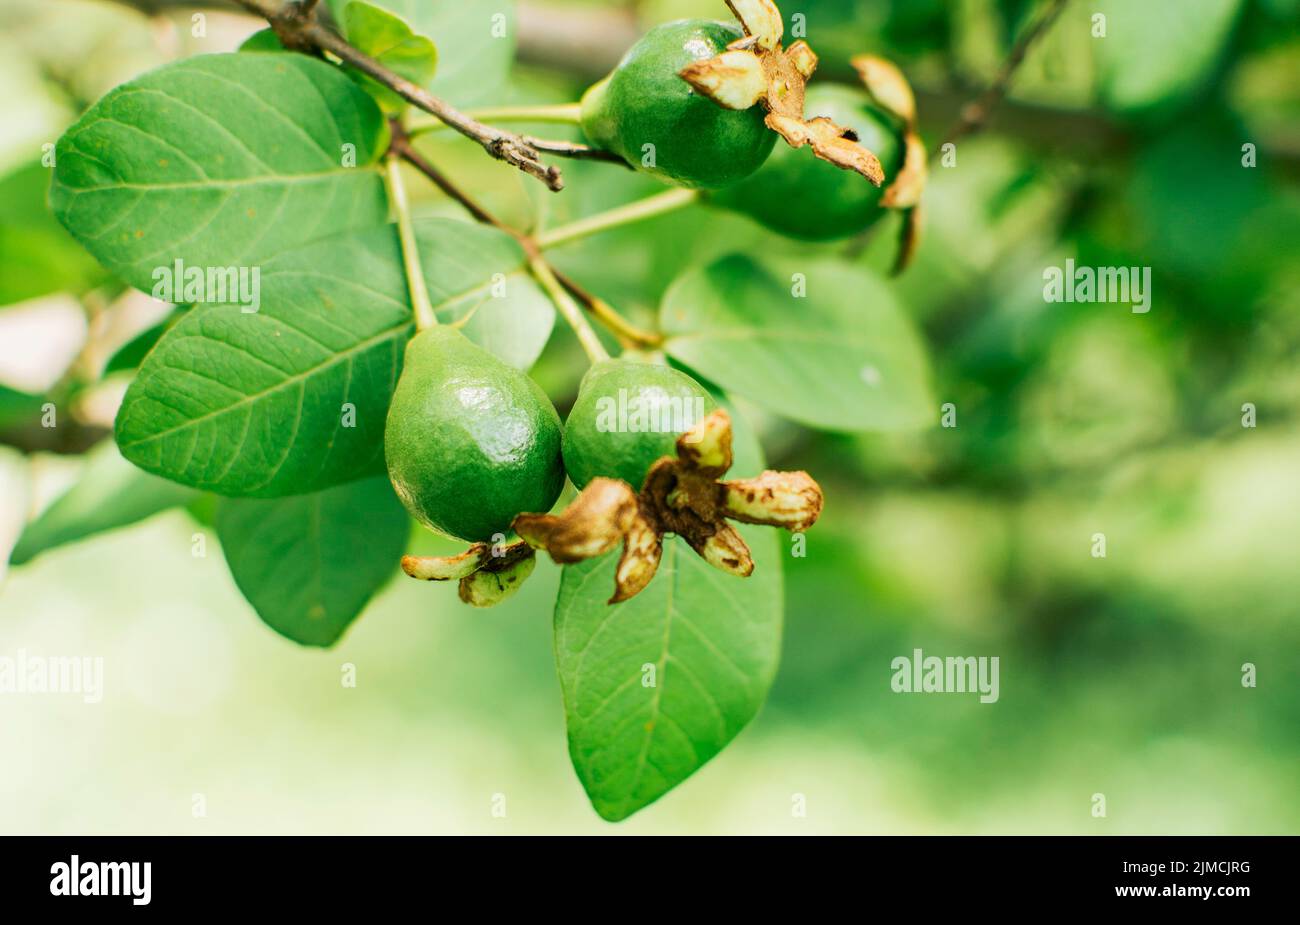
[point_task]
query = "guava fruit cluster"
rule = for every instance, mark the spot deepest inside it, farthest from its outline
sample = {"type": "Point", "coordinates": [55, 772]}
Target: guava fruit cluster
{"type": "Point", "coordinates": [648, 114]}
{"type": "Point", "coordinates": [476, 451]}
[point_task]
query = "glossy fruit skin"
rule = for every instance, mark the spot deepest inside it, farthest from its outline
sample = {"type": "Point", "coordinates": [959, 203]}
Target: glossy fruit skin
{"type": "Point", "coordinates": [599, 440]}
{"type": "Point", "coordinates": [697, 142]}
{"type": "Point", "coordinates": [470, 442]}
{"type": "Point", "coordinates": [801, 196]}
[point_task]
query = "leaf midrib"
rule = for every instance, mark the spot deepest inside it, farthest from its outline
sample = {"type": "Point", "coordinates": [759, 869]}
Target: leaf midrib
{"type": "Point", "coordinates": [260, 179]}
{"type": "Point", "coordinates": [294, 379]}
{"type": "Point", "coordinates": [661, 673]}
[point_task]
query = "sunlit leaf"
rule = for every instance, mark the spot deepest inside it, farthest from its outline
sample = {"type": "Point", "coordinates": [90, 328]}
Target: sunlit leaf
{"type": "Point", "coordinates": [292, 398]}
{"type": "Point", "coordinates": [220, 160]}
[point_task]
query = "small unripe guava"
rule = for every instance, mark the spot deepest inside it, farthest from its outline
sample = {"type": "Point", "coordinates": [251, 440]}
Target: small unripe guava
{"type": "Point", "coordinates": [470, 442]}
{"type": "Point", "coordinates": [645, 113]}
{"type": "Point", "coordinates": [802, 196]}
{"type": "Point", "coordinates": [628, 415]}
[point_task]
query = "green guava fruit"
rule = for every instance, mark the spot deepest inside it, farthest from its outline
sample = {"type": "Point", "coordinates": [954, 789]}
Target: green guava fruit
{"type": "Point", "coordinates": [804, 197]}
{"type": "Point", "coordinates": [627, 415]}
{"type": "Point", "coordinates": [470, 442]}
{"type": "Point", "coordinates": [643, 102]}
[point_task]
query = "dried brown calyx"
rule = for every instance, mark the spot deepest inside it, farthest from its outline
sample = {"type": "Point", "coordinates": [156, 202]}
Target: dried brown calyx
{"type": "Point", "coordinates": [889, 89]}
{"type": "Point", "coordinates": [757, 69]}
{"type": "Point", "coordinates": [605, 513]}
{"type": "Point", "coordinates": [487, 574]}
{"type": "Point", "coordinates": [685, 495]}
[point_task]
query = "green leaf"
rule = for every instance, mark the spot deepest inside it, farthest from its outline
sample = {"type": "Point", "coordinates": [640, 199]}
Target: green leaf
{"type": "Point", "coordinates": [109, 493]}
{"type": "Point", "coordinates": [714, 641]}
{"type": "Point", "coordinates": [133, 352]}
{"type": "Point", "coordinates": [14, 488]}
{"type": "Point", "coordinates": [292, 398]}
{"type": "Point", "coordinates": [17, 408]}
{"type": "Point", "coordinates": [220, 161]}
{"type": "Point", "coordinates": [37, 256]}
{"type": "Point", "coordinates": [1135, 72]}
{"type": "Point", "coordinates": [204, 508]}
{"type": "Point", "coordinates": [390, 41]}
{"type": "Point", "coordinates": [263, 40]}
{"type": "Point", "coordinates": [309, 564]}
{"type": "Point", "coordinates": [843, 357]}
{"type": "Point", "coordinates": [475, 39]}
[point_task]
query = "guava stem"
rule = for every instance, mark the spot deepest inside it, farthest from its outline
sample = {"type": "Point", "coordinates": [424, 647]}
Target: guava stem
{"type": "Point", "coordinates": [628, 334]}
{"type": "Point", "coordinates": [424, 313]}
{"type": "Point", "coordinates": [637, 211]}
{"type": "Point", "coordinates": [570, 309]}
{"type": "Point", "coordinates": [560, 114]}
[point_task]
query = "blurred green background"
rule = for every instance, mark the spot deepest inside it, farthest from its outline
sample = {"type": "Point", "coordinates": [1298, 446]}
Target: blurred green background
{"type": "Point", "coordinates": [1119, 675]}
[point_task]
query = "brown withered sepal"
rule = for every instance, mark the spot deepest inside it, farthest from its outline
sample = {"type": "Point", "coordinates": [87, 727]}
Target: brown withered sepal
{"type": "Point", "coordinates": [593, 523]}
{"type": "Point", "coordinates": [889, 89]}
{"type": "Point", "coordinates": [486, 575]}
{"type": "Point", "coordinates": [682, 494]}
{"type": "Point", "coordinates": [499, 577]}
{"type": "Point", "coordinates": [757, 69]}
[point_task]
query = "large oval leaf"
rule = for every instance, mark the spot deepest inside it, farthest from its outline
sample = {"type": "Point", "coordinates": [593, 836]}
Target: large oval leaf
{"type": "Point", "coordinates": [220, 161]}
{"type": "Point", "coordinates": [841, 356]}
{"type": "Point", "coordinates": [292, 398]}
{"type": "Point", "coordinates": [309, 564]}
{"type": "Point", "coordinates": [656, 686]}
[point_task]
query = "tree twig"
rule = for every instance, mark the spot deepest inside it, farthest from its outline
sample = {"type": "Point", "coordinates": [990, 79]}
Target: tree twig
{"type": "Point", "coordinates": [574, 150]}
{"type": "Point", "coordinates": [559, 114]}
{"type": "Point", "coordinates": [628, 334]}
{"type": "Point", "coordinates": [976, 113]}
{"type": "Point", "coordinates": [296, 25]}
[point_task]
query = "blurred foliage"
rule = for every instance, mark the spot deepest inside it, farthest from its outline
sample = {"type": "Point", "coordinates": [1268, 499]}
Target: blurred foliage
{"type": "Point", "coordinates": [1119, 675]}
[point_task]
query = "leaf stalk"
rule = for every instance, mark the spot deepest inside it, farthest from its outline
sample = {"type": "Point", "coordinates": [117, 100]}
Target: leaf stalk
{"type": "Point", "coordinates": [425, 317]}
{"type": "Point", "coordinates": [572, 313]}
{"type": "Point", "coordinates": [642, 209]}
